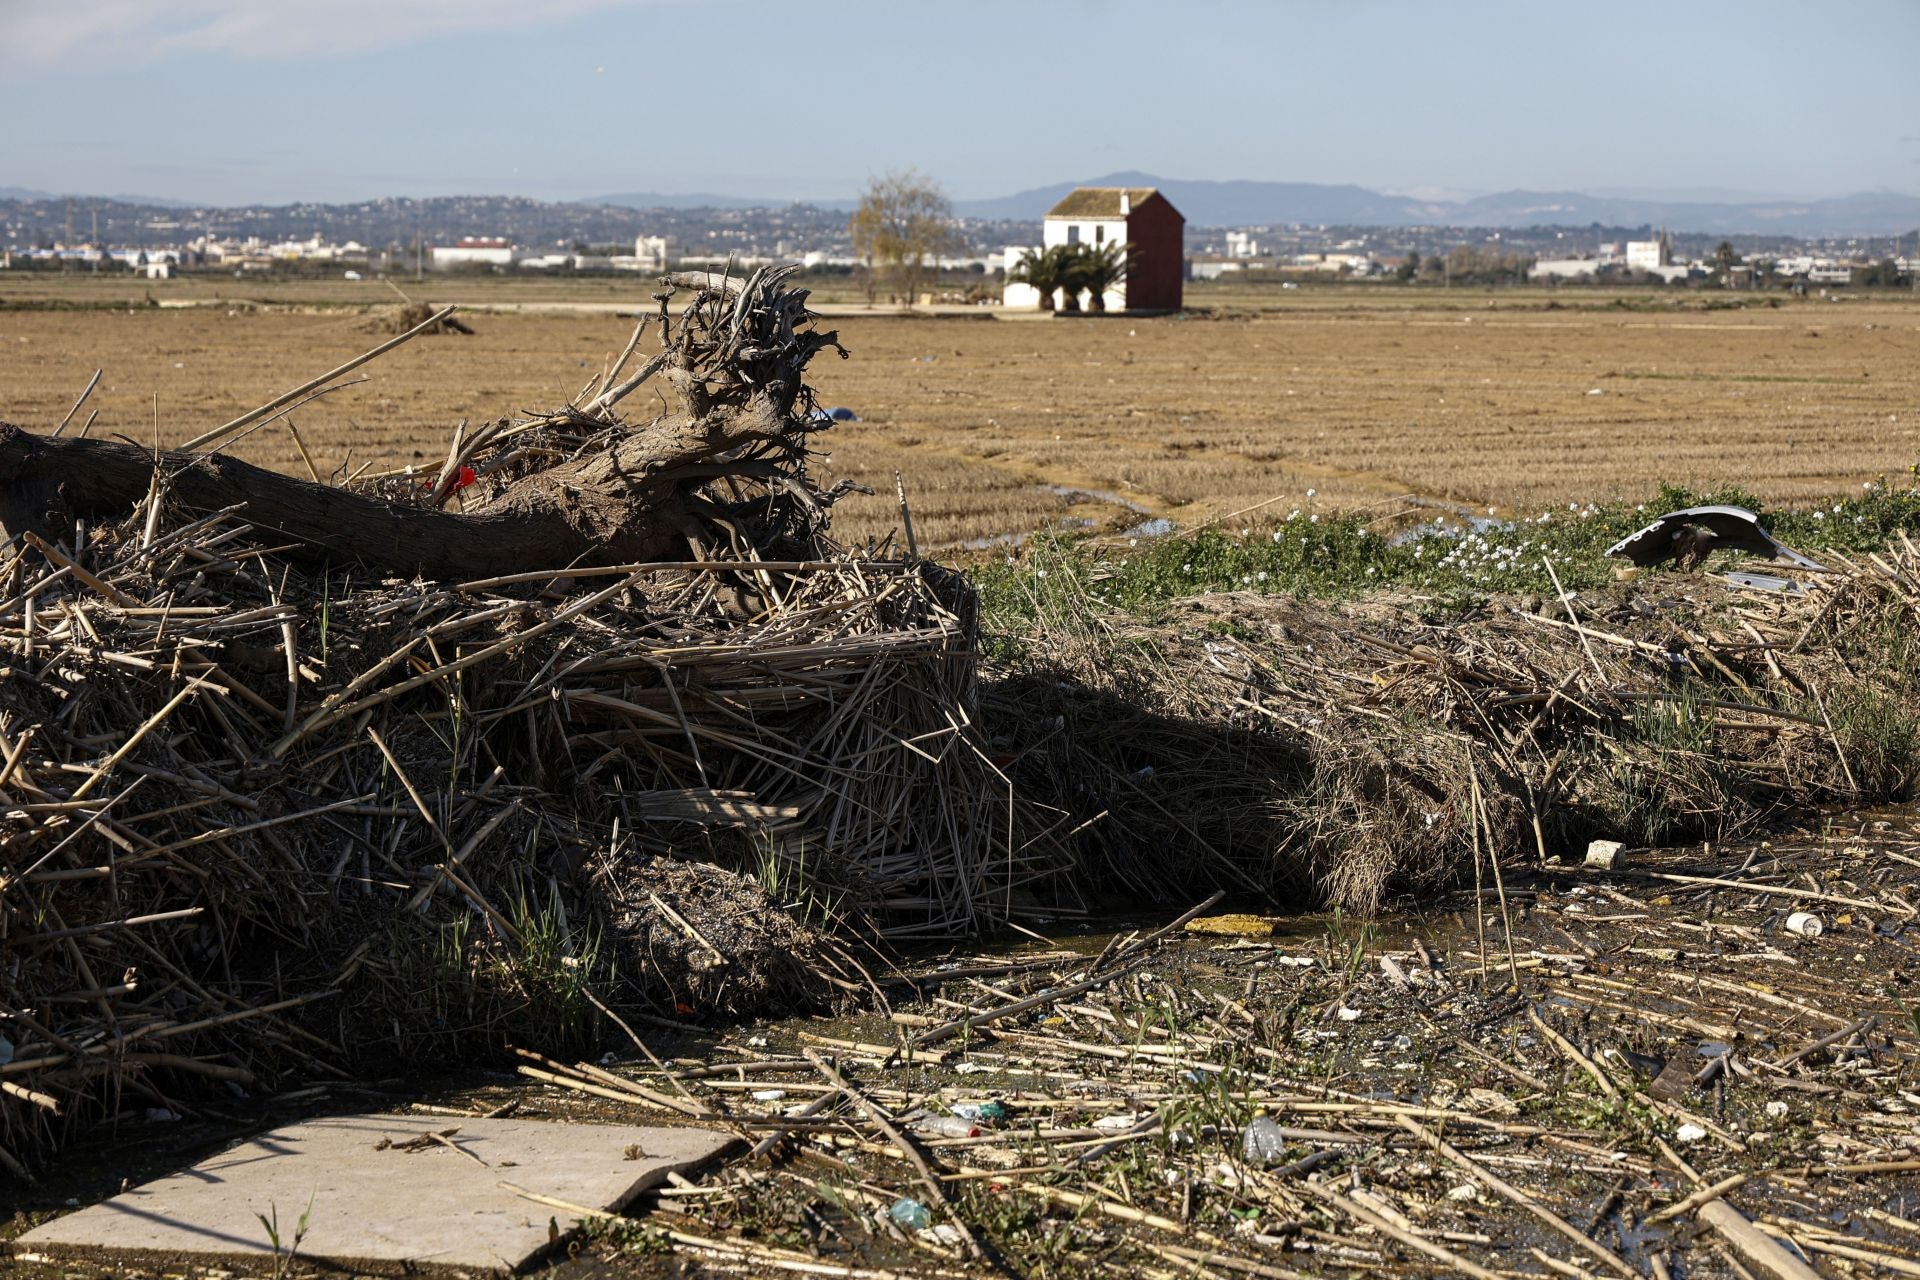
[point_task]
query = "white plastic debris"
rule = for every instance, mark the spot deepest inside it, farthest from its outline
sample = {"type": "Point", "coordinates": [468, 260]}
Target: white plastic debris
{"type": "Point", "coordinates": [1465, 1191]}
{"type": "Point", "coordinates": [1348, 1015]}
{"type": "Point", "coordinates": [1605, 854]}
{"type": "Point", "coordinates": [769, 1095]}
{"type": "Point", "coordinates": [1263, 1142]}
{"type": "Point", "coordinates": [1776, 1109]}
{"type": "Point", "coordinates": [1689, 1133]}
{"type": "Point", "coordinates": [1118, 1120]}
{"type": "Point", "coordinates": [1805, 924]}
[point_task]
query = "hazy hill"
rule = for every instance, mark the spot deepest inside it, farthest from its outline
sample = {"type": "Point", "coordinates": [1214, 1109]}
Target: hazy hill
{"type": "Point", "coordinates": [1227, 204]}
{"type": "Point", "coordinates": [696, 200]}
{"type": "Point", "coordinates": [33, 217]}
{"type": "Point", "coordinates": [1224, 204]}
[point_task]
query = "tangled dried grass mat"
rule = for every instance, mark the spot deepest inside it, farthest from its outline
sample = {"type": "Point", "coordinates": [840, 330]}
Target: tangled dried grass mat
{"type": "Point", "coordinates": [1336, 754]}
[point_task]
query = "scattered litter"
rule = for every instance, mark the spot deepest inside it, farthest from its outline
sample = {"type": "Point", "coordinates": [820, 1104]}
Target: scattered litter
{"type": "Point", "coordinates": [981, 1112]}
{"type": "Point", "coordinates": [945, 1126]}
{"type": "Point", "coordinates": [911, 1214]}
{"type": "Point", "coordinates": [1605, 854]}
{"type": "Point", "coordinates": [1263, 1142]}
{"type": "Point", "coordinates": [1805, 924]}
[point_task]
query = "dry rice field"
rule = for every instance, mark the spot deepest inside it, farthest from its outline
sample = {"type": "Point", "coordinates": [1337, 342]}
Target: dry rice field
{"type": "Point", "coordinates": [1515, 401]}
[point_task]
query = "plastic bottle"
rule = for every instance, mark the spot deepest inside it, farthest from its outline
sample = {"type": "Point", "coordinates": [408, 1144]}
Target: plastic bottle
{"type": "Point", "coordinates": [911, 1214]}
{"type": "Point", "coordinates": [981, 1112]}
{"type": "Point", "coordinates": [946, 1127]}
{"type": "Point", "coordinates": [1262, 1142]}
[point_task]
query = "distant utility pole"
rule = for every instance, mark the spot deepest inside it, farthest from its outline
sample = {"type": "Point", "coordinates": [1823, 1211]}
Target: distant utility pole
{"type": "Point", "coordinates": [69, 222]}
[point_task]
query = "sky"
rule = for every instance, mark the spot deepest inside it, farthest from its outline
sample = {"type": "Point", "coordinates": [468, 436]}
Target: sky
{"type": "Point", "coordinates": [273, 101]}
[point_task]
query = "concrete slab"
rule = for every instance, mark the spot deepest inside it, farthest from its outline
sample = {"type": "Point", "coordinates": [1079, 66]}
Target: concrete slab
{"type": "Point", "coordinates": [386, 1193]}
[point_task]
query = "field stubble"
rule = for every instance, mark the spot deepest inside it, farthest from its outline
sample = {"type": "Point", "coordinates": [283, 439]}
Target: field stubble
{"type": "Point", "coordinates": [1505, 401]}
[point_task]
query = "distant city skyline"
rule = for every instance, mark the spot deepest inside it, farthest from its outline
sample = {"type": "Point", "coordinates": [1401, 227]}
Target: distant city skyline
{"type": "Point", "coordinates": [236, 102]}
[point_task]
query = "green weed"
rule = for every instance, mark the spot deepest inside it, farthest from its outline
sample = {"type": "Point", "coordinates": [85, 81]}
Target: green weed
{"type": "Point", "coordinates": [285, 1252]}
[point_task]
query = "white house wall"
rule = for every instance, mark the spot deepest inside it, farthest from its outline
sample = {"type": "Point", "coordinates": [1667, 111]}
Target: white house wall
{"type": "Point", "coordinates": [1059, 230]}
{"type": "Point", "coordinates": [1056, 231]}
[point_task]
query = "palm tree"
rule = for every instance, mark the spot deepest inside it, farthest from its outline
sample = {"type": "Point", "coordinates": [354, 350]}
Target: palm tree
{"type": "Point", "coordinates": [1043, 269]}
{"type": "Point", "coordinates": [1073, 273]}
{"type": "Point", "coordinates": [1101, 267]}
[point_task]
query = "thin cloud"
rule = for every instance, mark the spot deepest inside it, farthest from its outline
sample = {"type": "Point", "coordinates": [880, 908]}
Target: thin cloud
{"type": "Point", "coordinates": [60, 34]}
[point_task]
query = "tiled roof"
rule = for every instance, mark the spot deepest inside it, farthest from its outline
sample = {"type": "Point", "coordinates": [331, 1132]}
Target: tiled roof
{"type": "Point", "coordinates": [1099, 202]}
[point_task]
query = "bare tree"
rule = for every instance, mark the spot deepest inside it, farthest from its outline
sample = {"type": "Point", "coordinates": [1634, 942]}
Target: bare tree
{"type": "Point", "coordinates": [903, 222]}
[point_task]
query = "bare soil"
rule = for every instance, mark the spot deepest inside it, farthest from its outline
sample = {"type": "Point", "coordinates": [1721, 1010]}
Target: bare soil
{"type": "Point", "coordinates": [1516, 401]}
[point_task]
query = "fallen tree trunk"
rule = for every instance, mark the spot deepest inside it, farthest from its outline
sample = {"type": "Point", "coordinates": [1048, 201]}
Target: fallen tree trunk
{"type": "Point", "coordinates": [729, 468]}
{"type": "Point", "coordinates": [45, 484]}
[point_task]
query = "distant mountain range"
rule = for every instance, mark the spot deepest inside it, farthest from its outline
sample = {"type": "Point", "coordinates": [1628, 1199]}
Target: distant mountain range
{"type": "Point", "coordinates": [1240, 203]}
{"type": "Point", "coordinates": [700, 200]}
{"type": "Point", "coordinates": [1205, 204]}
{"type": "Point", "coordinates": [25, 193]}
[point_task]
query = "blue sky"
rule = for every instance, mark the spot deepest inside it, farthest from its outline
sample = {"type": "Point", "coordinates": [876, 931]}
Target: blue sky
{"type": "Point", "coordinates": [277, 100]}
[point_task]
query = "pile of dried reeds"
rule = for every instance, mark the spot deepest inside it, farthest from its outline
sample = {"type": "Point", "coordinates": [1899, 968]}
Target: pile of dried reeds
{"type": "Point", "coordinates": [1335, 753]}
{"type": "Point", "coordinates": [267, 808]}
{"type": "Point", "coordinates": [407, 315]}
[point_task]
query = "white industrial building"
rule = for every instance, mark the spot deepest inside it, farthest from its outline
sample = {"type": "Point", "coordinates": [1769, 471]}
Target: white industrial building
{"type": "Point", "coordinates": [473, 251]}
{"type": "Point", "coordinates": [1649, 255]}
{"type": "Point", "coordinates": [1655, 258]}
{"type": "Point", "coordinates": [1565, 269]}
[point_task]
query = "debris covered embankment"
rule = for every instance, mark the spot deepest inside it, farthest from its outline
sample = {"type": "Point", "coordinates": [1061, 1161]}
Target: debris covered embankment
{"type": "Point", "coordinates": [1634, 1072]}
{"type": "Point", "coordinates": [1336, 753]}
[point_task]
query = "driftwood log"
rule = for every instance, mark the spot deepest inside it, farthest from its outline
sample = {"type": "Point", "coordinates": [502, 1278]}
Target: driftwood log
{"type": "Point", "coordinates": [727, 468]}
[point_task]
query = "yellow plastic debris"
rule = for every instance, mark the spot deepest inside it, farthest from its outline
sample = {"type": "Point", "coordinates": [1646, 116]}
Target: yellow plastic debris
{"type": "Point", "coordinates": [1236, 926]}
